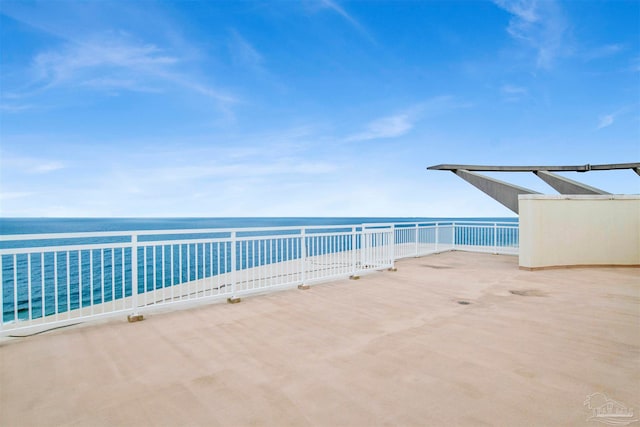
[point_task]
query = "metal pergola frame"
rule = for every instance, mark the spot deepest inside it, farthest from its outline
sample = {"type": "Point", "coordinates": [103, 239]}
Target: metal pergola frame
{"type": "Point", "coordinates": [507, 193]}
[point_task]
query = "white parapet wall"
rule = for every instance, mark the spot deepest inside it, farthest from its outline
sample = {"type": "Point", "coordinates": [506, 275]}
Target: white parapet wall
{"type": "Point", "coordinates": [577, 230]}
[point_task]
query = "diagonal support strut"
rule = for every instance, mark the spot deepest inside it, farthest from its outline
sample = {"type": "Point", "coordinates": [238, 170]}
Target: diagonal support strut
{"type": "Point", "coordinates": [565, 185]}
{"type": "Point", "coordinates": [503, 192]}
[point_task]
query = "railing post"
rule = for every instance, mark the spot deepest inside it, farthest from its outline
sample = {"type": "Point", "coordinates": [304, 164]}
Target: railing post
{"type": "Point", "coordinates": [354, 253]}
{"type": "Point", "coordinates": [363, 248]}
{"type": "Point", "coordinates": [392, 245]}
{"type": "Point", "coordinates": [437, 230]}
{"type": "Point", "coordinates": [495, 238]}
{"type": "Point", "coordinates": [2, 293]}
{"type": "Point", "coordinates": [134, 272]}
{"type": "Point", "coordinates": [417, 237]}
{"type": "Point", "coordinates": [453, 235]}
{"type": "Point", "coordinates": [303, 255]}
{"type": "Point", "coordinates": [233, 264]}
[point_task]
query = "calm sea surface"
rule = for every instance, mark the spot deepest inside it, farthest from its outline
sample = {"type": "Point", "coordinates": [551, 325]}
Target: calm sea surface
{"type": "Point", "coordinates": [76, 225]}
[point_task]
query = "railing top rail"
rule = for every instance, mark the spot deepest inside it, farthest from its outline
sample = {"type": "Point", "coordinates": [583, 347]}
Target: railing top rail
{"type": "Point", "coordinates": [64, 248]}
{"type": "Point", "coordinates": [192, 231]}
{"type": "Point", "coordinates": [81, 235]}
{"type": "Point", "coordinates": [432, 223]}
{"type": "Point", "coordinates": [380, 224]}
{"type": "Point", "coordinates": [484, 224]}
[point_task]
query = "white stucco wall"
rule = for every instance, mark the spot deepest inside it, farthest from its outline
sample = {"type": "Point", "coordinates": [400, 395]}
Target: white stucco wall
{"type": "Point", "coordinates": [579, 230]}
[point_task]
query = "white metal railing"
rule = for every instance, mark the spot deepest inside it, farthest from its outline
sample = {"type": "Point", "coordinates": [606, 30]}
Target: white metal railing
{"type": "Point", "coordinates": [50, 280]}
{"type": "Point", "coordinates": [497, 238]}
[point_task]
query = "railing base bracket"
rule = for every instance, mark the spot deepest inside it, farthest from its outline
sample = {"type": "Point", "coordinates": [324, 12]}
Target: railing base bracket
{"type": "Point", "coordinates": [233, 300]}
{"type": "Point", "coordinates": [304, 287]}
{"type": "Point", "coordinates": [354, 277]}
{"type": "Point", "coordinates": [135, 318]}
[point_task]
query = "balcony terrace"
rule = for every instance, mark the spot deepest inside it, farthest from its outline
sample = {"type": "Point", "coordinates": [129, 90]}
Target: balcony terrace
{"type": "Point", "coordinates": [455, 338]}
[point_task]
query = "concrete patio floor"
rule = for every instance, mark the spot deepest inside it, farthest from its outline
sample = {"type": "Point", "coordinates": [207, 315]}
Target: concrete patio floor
{"type": "Point", "coordinates": [393, 348]}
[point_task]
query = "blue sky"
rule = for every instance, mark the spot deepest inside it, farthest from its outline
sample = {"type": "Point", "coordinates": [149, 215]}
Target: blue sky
{"type": "Point", "coordinates": [307, 108]}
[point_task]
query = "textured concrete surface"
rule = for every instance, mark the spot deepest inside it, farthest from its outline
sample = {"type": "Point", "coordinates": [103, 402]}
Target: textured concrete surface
{"type": "Point", "coordinates": [393, 348]}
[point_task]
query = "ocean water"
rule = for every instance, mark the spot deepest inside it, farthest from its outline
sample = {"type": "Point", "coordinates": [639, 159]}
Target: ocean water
{"type": "Point", "coordinates": [77, 225]}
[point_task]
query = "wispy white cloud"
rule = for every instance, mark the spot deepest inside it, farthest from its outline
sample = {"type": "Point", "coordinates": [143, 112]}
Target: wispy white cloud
{"type": "Point", "coordinates": [107, 83]}
{"type": "Point", "coordinates": [187, 82]}
{"type": "Point", "coordinates": [244, 186]}
{"type": "Point", "coordinates": [601, 52]}
{"type": "Point", "coordinates": [440, 105]}
{"type": "Point", "coordinates": [350, 19]}
{"type": "Point", "coordinates": [245, 169]}
{"type": "Point", "coordinates": [401, 123]}
{"type": "Point", "coordinates": [114, 62]}
{"type": "Point", "coordinates": [15, 108]}
{"type": "Point", "coordinates": [540, 25]}
{"type": "Point", "coordinates": [266, 156]}
{"type": "Point", "coordinates": [46, 167]}
{"type": "Point", "coordinates": [512, 93]}
{"type": "Point", "coordinates": [244, 53]}
{"type": "Point", "coordinates": [605, 121]}
{"type": "Point", "coordinates": [251, 174]}
{"type": "Point", "coordinates": [108, 55]}
{"type": "Point", "coordinates": [509, 89]}
{"type": "Point", "coordinates": [30, 165]}
{"type": "Point", "coordinates": [386, 127]}
{"type": "Point", "coordinates": [524, 10]}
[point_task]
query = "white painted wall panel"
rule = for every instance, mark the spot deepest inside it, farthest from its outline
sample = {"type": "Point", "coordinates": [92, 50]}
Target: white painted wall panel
{"type": "Point", "coordinates": [579, 230]}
